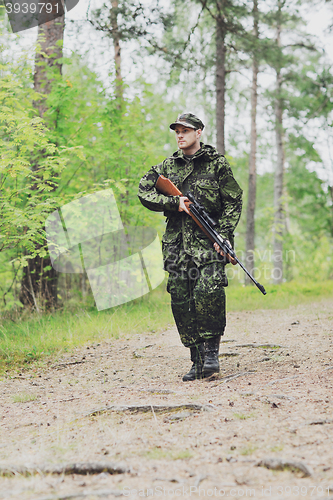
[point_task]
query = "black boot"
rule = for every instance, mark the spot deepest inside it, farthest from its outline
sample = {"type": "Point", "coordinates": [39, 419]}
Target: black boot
{"type": "Point", "coordinates": [211, 364]}
{"type": "Point", "coordinates": [197, 357]}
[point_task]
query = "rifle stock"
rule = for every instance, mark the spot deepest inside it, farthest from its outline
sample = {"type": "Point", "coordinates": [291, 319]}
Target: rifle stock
{"type": "Point", "coordinates": [165, 186]}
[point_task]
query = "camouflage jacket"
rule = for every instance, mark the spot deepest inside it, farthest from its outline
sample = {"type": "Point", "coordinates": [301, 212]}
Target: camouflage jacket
{"type": "Point", "coordinates": [209, 178]}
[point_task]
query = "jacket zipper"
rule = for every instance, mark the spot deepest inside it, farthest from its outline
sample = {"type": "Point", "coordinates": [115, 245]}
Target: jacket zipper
{"type": "Point", "coordinates": [183, 218]}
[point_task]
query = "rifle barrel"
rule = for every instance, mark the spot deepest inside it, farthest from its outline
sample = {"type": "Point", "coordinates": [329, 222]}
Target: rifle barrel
{"type": "Point", "coordinates": [223, 245]}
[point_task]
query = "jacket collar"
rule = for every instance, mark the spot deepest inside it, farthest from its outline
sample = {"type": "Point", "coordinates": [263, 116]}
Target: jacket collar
{"type": "Point", "coordinates": [205, 149]}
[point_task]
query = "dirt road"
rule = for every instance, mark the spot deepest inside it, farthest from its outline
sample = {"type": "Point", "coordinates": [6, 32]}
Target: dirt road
{"type": "Point", "coordinates": [272, 400]}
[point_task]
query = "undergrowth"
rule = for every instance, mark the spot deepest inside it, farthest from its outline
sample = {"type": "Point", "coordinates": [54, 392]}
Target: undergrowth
{"type": "Point", "coordinates": [249, 298]}
{"type": "Point", "coordinates": [29, 338]}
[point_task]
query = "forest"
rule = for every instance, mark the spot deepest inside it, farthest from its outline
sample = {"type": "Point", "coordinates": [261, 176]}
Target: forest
{"type": "Point", "coordinates": [86, 104]}
{"type": "Point", "coordinates": [95, 397]}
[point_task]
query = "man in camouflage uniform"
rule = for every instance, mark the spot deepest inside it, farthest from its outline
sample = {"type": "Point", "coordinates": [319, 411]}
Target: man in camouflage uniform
{"type": "Point", "coordinates": [196, 271]}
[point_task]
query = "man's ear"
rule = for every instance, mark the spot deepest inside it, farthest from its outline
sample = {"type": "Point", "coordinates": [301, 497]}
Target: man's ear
{"type": "Point", "coordinates": [199, 132]}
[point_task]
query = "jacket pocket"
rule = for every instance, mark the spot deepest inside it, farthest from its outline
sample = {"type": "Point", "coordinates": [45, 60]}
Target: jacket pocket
{"type": "Point", "coordinates": [170, 249]}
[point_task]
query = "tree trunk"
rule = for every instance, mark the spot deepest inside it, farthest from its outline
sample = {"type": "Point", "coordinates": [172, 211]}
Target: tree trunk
{"type": "Point", "coordinates": [83, 284]}
{"type": "Point", "coordinates": [251, 203]}
{"type": "Point", "coordinates": [278, 183]}
{"type": "Point", "coordinates": [46, 59]}
{"type": "Point", "coordinates": [220, 74]}
{"type": "Point", "coordinates": [39, 288]}
{"type": "Point", "coordinates": [40, 280]}
{"type": "Point", "coordinates": [117, 49]}
{"type": "Point", "coordinates": [330, 189]}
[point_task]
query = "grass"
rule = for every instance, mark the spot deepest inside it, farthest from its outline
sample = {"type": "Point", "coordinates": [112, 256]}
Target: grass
{"type": "Point", "coordinates": [249, 298]}
{"type": "Point", "coordinates": [277, 448]}
{"type": "Point", "coordinates": [248, 450]}
{"type": "Point", "coordinates": [242, 416]}
{"type": "Point", "coordinates": [23, 398]}
{"type": "Point", "coordinates": [24, 341]}
{"type": "Point", "coordinates": [29, 338]}
{"type": "Point", "coordinates": [157, 453]}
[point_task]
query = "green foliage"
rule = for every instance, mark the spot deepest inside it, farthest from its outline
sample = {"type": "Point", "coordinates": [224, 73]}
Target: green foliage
{"type": "Point", "coordinates": [309, 198]}
{"type": "Point", "coordinates": [118, 141]}
{"type": "Point", "coordinates": [93, 144]}
{"type": "Point", "coordinates": [90, 141]}
{"type": "Point", "coordinates": [29, 167]}
{"type": "Point", "coordinates": [28, 338]}
{"type": "Point", "coordinates": [308, 245]}
{"type": "Point", "coordinates": [248, 298]}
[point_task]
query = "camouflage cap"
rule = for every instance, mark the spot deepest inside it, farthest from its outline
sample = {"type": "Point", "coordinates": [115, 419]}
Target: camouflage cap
{"type": "Point", "coordinates": [188, 120]}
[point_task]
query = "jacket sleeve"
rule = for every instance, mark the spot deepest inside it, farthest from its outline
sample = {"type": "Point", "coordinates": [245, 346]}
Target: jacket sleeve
{"type": "Point", "coordinates": [153, 199]}
{"type": "Point", "coordinates": [231, 195]}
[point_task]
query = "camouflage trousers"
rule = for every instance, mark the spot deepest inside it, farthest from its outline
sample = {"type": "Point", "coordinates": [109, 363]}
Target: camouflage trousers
{"type": "Point", "coordinates": [198, 301]}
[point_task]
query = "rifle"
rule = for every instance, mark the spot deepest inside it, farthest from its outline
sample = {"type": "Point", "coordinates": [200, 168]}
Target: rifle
{"type": "Point", "coordinates": [206, 224]}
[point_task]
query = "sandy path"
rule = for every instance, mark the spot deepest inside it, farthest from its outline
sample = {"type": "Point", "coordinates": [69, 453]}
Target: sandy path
{"type": "Point", "coordinates": [280, 406]}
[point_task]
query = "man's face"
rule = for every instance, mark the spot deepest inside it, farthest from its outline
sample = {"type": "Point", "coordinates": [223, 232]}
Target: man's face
{"type": "Point", "coordinates": [187, 137]}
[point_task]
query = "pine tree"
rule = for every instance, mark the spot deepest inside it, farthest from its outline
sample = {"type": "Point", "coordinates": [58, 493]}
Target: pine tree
{"type": "Point", "coordinates": [251, 203]}
{"type": "Point", "coordinates": [279, 170]}
{"type": "Point", "coordinates": [287, 58]}
{"type": "Point", "coordinates": [227, 16]}
{"type": "Point", "coordinates": [125, 21]}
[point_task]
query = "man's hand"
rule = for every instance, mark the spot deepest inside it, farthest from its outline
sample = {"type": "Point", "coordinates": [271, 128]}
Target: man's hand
{"type": "Point", "coordinates": [182, 206]}
{"type": "Point", "coordinates": [218, 249]}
